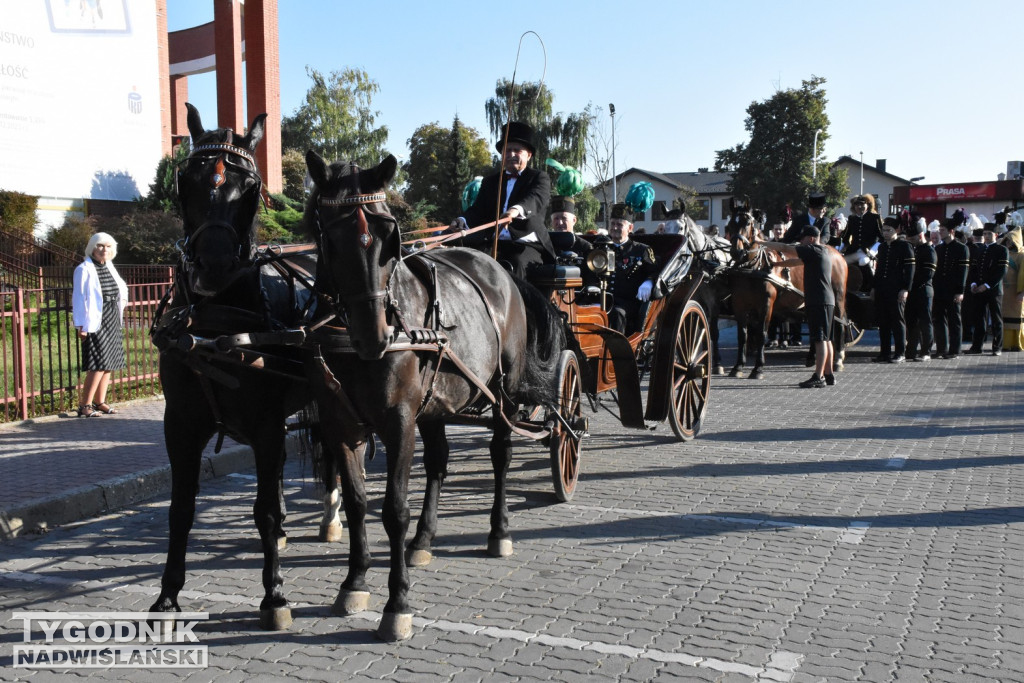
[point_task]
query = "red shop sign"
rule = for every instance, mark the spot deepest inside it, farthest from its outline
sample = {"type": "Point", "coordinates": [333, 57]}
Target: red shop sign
{"type": "Point", "coordinates": [952, 193]}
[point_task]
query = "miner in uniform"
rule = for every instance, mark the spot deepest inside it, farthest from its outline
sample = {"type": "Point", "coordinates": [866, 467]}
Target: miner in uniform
{"type": "Point", "coordinates": [894, 275]}
{"type": "Point", "coordinates": [635, 270]}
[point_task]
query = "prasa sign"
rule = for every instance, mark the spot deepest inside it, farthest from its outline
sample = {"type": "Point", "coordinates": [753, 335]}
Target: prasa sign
{"type": "Point", "coordinates": [952, 193]}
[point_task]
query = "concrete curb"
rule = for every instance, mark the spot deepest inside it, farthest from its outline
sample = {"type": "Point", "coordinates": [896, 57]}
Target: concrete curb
{"type": "Point", "coordinates": [43, 514]}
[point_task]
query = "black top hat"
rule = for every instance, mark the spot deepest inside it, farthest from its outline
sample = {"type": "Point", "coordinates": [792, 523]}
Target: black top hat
{"type": "Point", "coordinates": [810, 231]}
{"type": "Point", "coordinates": [566, 204]}
{"type": "Point", "coordinates": [816, 200]}
{"type": "Point", "coordinates": [517, 132]}
{"type": "Point", "coordinates": [622, 212]}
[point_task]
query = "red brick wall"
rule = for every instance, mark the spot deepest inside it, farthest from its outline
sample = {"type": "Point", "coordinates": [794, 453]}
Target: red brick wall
{"type": "Point", "coordinates": [227, 17]}
{"type": "Point", "coordinates": [263, 84]}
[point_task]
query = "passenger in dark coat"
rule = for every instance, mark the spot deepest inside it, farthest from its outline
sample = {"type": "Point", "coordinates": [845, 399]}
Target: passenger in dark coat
{"type": "Point", "coordinates": [635, 269]}
{"type": "Point", "coordinates": [522, 193]}
{"type": "Point", "coordinates": [815, 216]}
{"type": "Point", "coordinates": [919, 303]}
{"type": "Point", "coordinates": [987, 274]}
{"type": "Point", "coordinates": [863, 231]}
{"type": "Point", "coordinates": [951, 263]}
{"type": "Point", "coordinates": [894, 275]}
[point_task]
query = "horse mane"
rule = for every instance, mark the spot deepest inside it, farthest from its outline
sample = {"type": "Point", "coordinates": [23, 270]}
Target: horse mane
{"type": "Point", "coordinates": [545, 341]}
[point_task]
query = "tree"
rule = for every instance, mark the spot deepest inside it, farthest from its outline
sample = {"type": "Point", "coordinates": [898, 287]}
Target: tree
{"type": "Point", "coordinates": [439, 168]}
{"type": "Point", "coordinates": [559, 136]}
{"type": "Point", "coordinates": [599, 155]}
{"type": "Point", "coordinates": [337, 120]}
{"type": "Point", "coordinates": [775, 167]}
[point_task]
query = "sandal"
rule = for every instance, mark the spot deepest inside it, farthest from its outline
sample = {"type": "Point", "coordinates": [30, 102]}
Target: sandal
{"type": "Point", "coordinates": [104, 408]}
{"type": "Point", "coordinates": [87, 411]}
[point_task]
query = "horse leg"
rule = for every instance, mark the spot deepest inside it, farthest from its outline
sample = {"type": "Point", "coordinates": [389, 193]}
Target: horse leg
{"type": "Point", "coordinates": [759, 333]}
{"type": "Point", "coordinates": [268, 447]}
{"type": "Point", "coordinates": [400, 444]}
{"type": "Point", "coordinates": [499, 542]}
{"type": "Point", "coordinates": [279, 534]}
{"type": "Point", "coordinates": [741, 347]}
{"type": "Point", "coordinates": [353, 596]}
{"type": "Point", "coordinates": [435, 461]}
{"type": "Point", "coordinates": [331, 529]}
{"type": "Point", "coordinates": [184, 436]}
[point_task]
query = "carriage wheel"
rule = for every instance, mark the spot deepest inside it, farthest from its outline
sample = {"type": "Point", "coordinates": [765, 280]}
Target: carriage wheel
{"type": "Point", "coordinates": [691, 373]}
{"type": "Point", "coordinates": [565, 447]}
{"type": "Point", "coordinates": [856, 332]}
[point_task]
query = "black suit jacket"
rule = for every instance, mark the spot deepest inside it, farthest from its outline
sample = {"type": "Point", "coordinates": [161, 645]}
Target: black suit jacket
{"type": "Point", "coordinates": [532, 191]}
{"type": "Point", "coordinates": [800, 222]}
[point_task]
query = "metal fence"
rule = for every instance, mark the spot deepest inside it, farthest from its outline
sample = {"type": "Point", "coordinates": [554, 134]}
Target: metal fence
{"type": "Point", "coordinates": [40, 356]}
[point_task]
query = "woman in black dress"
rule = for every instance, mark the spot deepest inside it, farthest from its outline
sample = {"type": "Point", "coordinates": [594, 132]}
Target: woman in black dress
{"type": "Point", "coordinates": [98, 301]}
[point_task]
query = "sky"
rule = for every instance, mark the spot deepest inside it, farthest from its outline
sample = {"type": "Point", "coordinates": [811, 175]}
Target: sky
{"type": "Point", "coordinates": [931, 86]}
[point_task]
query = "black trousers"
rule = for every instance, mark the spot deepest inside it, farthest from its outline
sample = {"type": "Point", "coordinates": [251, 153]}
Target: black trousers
{"type": "Point", "coordinates": [947, 323]}
{"type": "Point", "coordinates": [919, 321]}
{"type": "Point", "coordinates": [892, 322]}
{"type": "Point", "coordinates": [992, 302]}
{"type": "Point", "coordinates": [624, 315]}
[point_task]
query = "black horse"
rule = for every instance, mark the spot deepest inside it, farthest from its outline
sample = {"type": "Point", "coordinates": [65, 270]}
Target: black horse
{"type": "Point", "coordinates": [430, 337]}
{"type": "Point", "coordinates": [224, 287]}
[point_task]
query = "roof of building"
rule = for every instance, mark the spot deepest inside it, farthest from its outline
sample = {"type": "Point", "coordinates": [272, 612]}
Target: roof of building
{"type": "Point", "coordinates": [848, 159]}
{"type": "Point", "coordinates": [703, 182]}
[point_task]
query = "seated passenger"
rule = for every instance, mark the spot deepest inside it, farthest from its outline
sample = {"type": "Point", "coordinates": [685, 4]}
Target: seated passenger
{"type": "Point", "coordinates": [635, 270]}
{"type": "Point", "coordinates": [563, 219]}
{"type": "Point", "coordinates": [520, 193]}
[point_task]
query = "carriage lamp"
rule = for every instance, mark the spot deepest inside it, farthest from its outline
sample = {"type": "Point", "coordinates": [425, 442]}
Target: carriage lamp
{"type": "Point", "coordinates": [601, 262]}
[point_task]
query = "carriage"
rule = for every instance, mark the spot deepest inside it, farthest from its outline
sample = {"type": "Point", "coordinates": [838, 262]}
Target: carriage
{"type": "Point", "coordinates": [671, 347]}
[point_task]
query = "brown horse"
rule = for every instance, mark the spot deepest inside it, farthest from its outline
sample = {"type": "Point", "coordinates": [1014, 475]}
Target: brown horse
{"type": "Point", "coordinates": [759, 289]}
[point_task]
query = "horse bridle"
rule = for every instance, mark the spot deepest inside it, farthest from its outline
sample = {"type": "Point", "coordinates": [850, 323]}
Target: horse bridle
{"type": "Point", "coordinates": [220, 151]}
{"type": "Point", "coordinates": [375, 206]}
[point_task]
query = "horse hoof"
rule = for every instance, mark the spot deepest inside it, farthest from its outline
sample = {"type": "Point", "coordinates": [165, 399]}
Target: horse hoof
{"type": "Point", "coordinates": [282, 542]}
{"type": "Point", "coordinates": [163, 629]}
{"type": "Point", "coordinates": [418, 558]}
{"type": "Point", "coordinates": [735, 373]}
{"type": "Point", "coordinates": [350, 602]}
{"type": "Point", "coordinates": [277, 619]}
{"type": "Point", "coordinates": [719, 370]}
{"type": "Point", "coordinates": [331, 533]}
{"type": "Point", "coordinates": [499, 547]}
{"type": "Point", "coordinates": [757, 374]}
{"type": "Point", "coordinates": [394, 627]}
{"type": "Point", "coordinates": [840, 366]}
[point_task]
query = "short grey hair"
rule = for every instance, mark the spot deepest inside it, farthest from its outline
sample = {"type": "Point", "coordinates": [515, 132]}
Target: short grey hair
{"type": "Point", "coordinates": [106, 239]}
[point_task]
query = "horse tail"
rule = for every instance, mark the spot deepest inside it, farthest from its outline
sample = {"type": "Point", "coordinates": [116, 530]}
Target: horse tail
{"type": "Point", "coordinates": [545, 341]}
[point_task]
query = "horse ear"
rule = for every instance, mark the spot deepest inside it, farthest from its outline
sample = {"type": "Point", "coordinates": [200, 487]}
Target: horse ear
{"type": "Point", "coordinates": [318, 169]}
{"type": "Point", "coordinates": [195, 123]}
{"type": "Point", "coordinates": [256, 130]}
{"type": "Point", "coordinates": [386, 169]}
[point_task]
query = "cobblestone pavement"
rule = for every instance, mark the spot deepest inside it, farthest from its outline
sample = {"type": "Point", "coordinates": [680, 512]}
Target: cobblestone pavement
{"type": "Point", "coordinates": [873, 531]}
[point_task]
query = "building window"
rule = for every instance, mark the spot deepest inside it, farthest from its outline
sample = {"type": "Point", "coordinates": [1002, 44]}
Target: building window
{"type": "Point", "coordinates": [725, 209]}
{"type": "Point", "coordinates": [639, 216]}
{"type": "Point", "coordinates": [658, 211]}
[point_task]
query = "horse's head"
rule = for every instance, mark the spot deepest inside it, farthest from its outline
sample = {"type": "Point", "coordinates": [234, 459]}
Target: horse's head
{"type": "Point", "coordinates": [359, 243]}
{"type": "Point", "coordinates": [741, 231]}
{"type": "Point", "coordinates": [219, 188]}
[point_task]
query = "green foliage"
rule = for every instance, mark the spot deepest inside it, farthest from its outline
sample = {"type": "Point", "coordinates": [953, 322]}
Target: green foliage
{"type": "Point", "coordinates": [587, 206]}
{"type": "Point", "coordinates": [73, 234]}
{"type": "Point", "coordinates": [18, 211]}
{"type": "Point", "coordinates": [293, 172]}
{"type": "Point", "coordinates": [437, 168]}
{"type": "Point", "coordinates": [281, 223]}
{"type": "Point", "coordinates": [143, 236]}
{"type": "Point", "coordinates": [560, 136]}
{"type": "Point", "coordinates": [775, 167]}
{"type": "Point", "coordinates": [337, 120]}
{"type": "Point", "coordinates": [163, 194]}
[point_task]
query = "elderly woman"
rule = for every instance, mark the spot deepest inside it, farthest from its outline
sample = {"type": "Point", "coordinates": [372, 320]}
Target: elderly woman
{"type": "Point", "coordinates": [98, 300]}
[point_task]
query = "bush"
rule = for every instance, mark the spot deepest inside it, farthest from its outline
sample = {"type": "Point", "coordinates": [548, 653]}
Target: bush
{"type": "Point", "coordinates": [281, 226]}
{"type": "Point", "coordinates": [293, 174]}
{"type": "Point", "coordinates": [18, 211]}
{"type": "Point", "coordinates": [73, 234]}
{"type": "Point", "coordinates": [144, 236]}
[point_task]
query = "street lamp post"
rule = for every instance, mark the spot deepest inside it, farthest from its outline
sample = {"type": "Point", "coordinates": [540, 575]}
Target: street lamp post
{"type": "Point", "coordinates": [862, 172]}
{"type": "Point", "coordinates": [914, 180]}
{"type": "Point", "coordinates": [615, 193]}
{"type": "Point", "coordinates": [814, 161]}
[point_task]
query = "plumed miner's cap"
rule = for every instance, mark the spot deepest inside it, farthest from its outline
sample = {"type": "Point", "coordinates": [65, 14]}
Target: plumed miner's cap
{"type": "Point", "coordinates": [622, 212]}
{"type": "Point", "coordinates": [563, 204]}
